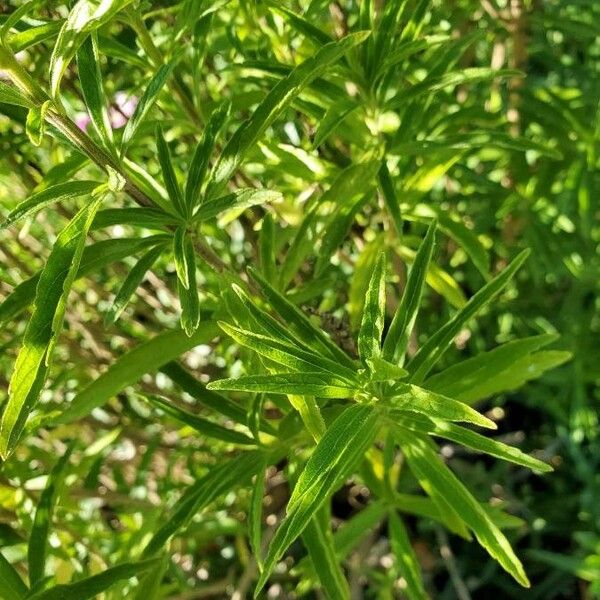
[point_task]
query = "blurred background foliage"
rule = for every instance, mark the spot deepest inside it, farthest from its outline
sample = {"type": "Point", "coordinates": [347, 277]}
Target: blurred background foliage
{"type": "Point", "coordinates": [505, 163]}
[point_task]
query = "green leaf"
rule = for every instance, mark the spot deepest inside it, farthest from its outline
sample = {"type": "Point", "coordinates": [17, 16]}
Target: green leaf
{"type": "Point", "coordinates": [146, 101]}
{"type": "Point", "coordinates": [307, 332]}
{"type": "Point", "coordinates": [333, 117]}
{"type": "Point", "coordinates": [310, 414]}
{"type": "Point", "coordinates": [452, 226]}
{"type": "Point", "coordinates": [149, 218]}
{"type": "Point", "coordinates": [245, 312]}
{"type": "Point", "coordinates": [396, 339]}
{"type": "Point", "coordinates": [450, 80]}
{"type": "Point", "coordinates": [202, 426]}
{"type": "Point", "coordinates": [347, 194]}
{"type": "Point", "coordinates": [90, 587]}
{"type": "Point", "coordinates": [44, 326]}
{"type": "Point", "coordinates": [49, 195]}
{"type": "Point", "coordinates": [88, 66]}
{"type": "Point", "coordinates": [149, 586]}
{"type": "Point", "coordinates": [278, 98]}
{"type": "Point", "coordinates": [302, 25]}
{"type": "Point", "coordinates": [287, 355]}
{"type": "Point", "coordinates": [36, 123]}
{"type": "Point", "coordinates": [131, 283]}
{"type": "Point", "coordinates": [267, 251]}
{"type": "Point", "coordinates": [406, 559]}
{"type": "Point", "coordinates": [86, 16]}
{"type": "Point", "coordinates": [10, 581]}
{"type": "Point", "coordinates": [11, 95]}
{"type": "Point", "coordinates": [180, 256]}
{"type": "Point", "coordinates": [220, 404]}
{"type": "Point", "coordinates": [169, 177]}
{"type": "Point", "coordinates": [475, 441]}
{"type": "Point", "coordinates": [221, 479]}
{"type": "Point", "coordinates": [238, 200]}
{"type": "Point", "coordinates": [438, 279]}
{"type": "Point", "coordinates": [412, 398]}
{"type": "Point", "coordinates": [255, 512]}
{"type": "Point", "coordinates": [359, 283]}
{"type": "Point", "coordinates": [318, 541]}
{"type": "Point", "coordinates": [38, 538]}
{"type": "Point", "coordinates": [371, 328]}
{"type": "Point", "coordinates": [188, 296]}
{"type": "Point", "coordinates": [501, 369]}
{"type": "Point", "coordinates": [437, 344]}
{"type": "Point", "coordinates": [200, 160]}
{"type": "Point", "coordinates": [428, 468]}
{"type": "Point", "coordinates": [390, 198]}
{"type": "Point", "coordinates": [21, 40]}
{"type": "Point", "coordinates": [381, 370]}
{"type": "Point", "coordinates": [334, 458]}
{"type": "Point", "coordinates": [147, 357]}
{"type": "Point", "coordinates": [317, 384]}
{"type": "Point", "coordinates": [14, 17]}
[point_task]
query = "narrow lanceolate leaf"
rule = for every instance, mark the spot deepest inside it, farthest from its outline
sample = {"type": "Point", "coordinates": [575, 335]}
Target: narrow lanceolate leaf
{"type": "Point", "coordinates": [221, 479]}
{"type": "Point", "coordinates": [85, 17]}
{"type": "Point", "coordinates": [88, 588]}
{"type": "Point", "coordinates": [44, 326]}
{"type": "Point", "coordinates": [321, 385]}
{"type": "Point", "coordinates": [188, 296]}
{"type": "Point", "coordinates": [371, 328]}
{"type": "Point", "coordinates": [200, 160]}
{"type": "Point", "coordinates": [437, 344]}
{"type": "Point", "coordinates": [14, 17]}
{"type": "Point", "coordinates": [334, 115]}
{"type": "Point", "coordinates": [246, 313]}
{"type": "Point", "coordinates": [38, 539]}
{"type": "Point", "coordinates": [217, 402]}
{"type": "Point", "coordinates": [36, 123]}
{"type": "Point", "coordinates": [202, 426]}
{"type": "Point", "coordinates": [132, 282]}
{"type": "Point", "coordinates": [238, 200]}
{"type": "Point", "coordinates": [300, 323]}
{"type": "Point", "coordinates": [180, 256]}
{"type": "Point", "coordinates": [149, 586]}
{"type": "Point", "coordinates": [146, 101]}
{"type": "Point", "coordinates": [319, 543]}
{"type": "Point", "coordinates": [381, 370]}
{"type": "Point", "coordinates": [396, 340]}
{"type": "Point", "coordinates": [498, 370]}
{"type": "Point", "coordinates": [475, 441]}
{"type": "Point", "coordinates": [49, 195]}
{"type": "Point", "coordinates": [129, 368]}
{"type": "Point", "coordinates": [88, 66]}
{"type": "Point", "coordinates": [390, 198]}
{"type": "Point", "coordinates": [255, 513]}
{"type": "Point", "coordinates": [11, 95]}
{"type": "Point", "coordinates": [334, 458]}
{"type": "Point", "coordinates": [407, 562]}
{"type": "Point", "coordinates": [430, 470]}
{"type": "Point", "coordinates": [413, 398]}
{"type": "Point", "coordinates": [10, 581]}
{"type": "Point", "coordinates": [273, 105]}
{"type": "Point", "coordinates": [168, 173]}
{"type": "Point", "coordinates": [310, 415]}
{"type": "Point", "coordinates": [285, 354]}
{"type": "Point", "coordinates": [267, 249]}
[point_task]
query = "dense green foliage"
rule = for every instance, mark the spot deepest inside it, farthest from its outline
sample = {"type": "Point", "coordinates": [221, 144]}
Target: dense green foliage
{"type": "Point", "coordinates": [299, 299]}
